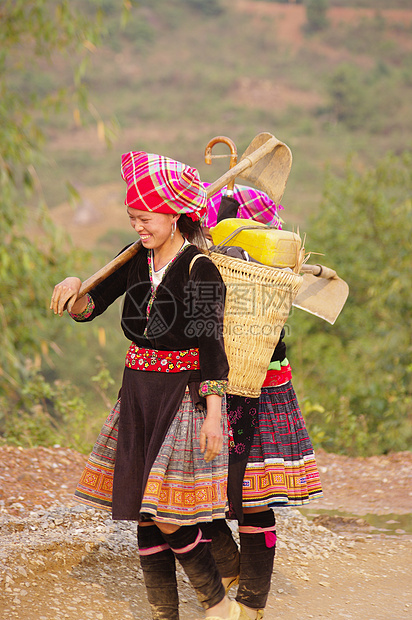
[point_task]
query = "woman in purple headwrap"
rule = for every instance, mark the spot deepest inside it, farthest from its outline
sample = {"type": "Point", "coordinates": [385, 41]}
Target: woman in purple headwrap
{"type": "Point", "coordinates": [172, 451]}
{"type": "Point", "coordinates": [271, 457]}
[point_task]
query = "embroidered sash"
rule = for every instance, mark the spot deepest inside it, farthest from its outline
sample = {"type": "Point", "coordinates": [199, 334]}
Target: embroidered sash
{"type": "Point", "coordinates": [162, 361]}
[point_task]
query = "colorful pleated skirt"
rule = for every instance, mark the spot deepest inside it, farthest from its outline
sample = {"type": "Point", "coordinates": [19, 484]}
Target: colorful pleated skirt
{"type": "Point", "coordinates": [95, 487]}
{"type": "Point", "coordinates": [281, 467]}
{"type": "Point", "coordinates": [181, 488]}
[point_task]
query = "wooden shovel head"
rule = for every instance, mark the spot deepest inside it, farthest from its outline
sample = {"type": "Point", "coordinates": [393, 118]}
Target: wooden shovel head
{"type": "Point", "coordinates": [322, 297]}
{"type": "Point", "coordinates": [270, 173]}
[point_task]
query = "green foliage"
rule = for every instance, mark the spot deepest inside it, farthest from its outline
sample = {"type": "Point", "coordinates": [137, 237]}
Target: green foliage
{"type": "Point", "coordinates": [31, 31]}
{"type": "Point", "coordinates": [346, 88]}
{"type": "Point", "coordinates": [285, 1]}
{"type": "Point", "coordinates": [28, 272]}
{"type": "Point", "coordinates": [362, 376]}
{"type": "Point", "coordinates": [363, 100]}
{"type": "Point", "coordinates": [34, 255]}
{"type": "Point", "coordinates": [139, 32]}
{"type": "Point", "coordinates": [369, 36]}
{"type": "Point", "coordinates": [28, 265]}
{"type": "Point", "coordinates": [372, 4]}
{"type": "Point", "coordinates": [316, 15]}
{"type": "Point", "coordinates": [44, 414]}
{"type": "Point", "coordinates": [103, 380]}
{"type": "Point", "coordinates": [207, 7]}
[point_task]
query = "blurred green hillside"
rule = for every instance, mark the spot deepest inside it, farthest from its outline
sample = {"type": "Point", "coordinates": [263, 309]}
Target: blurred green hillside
{"type": "Point", "coordinates": [182, 71]}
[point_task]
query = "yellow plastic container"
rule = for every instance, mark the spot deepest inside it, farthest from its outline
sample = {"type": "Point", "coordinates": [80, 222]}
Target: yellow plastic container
{"type": "Point", "coordinates": [269, 246]}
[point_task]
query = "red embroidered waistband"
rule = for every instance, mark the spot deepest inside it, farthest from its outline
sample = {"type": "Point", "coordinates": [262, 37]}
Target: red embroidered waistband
{"type": "Point", "coordinates": [162, 361]}
{"type": "Point", "coordinates": [278, 377]}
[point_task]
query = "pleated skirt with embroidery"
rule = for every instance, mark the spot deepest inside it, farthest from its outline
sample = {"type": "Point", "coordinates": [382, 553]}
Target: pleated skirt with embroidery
{"type": "Point", "coordinates": [281, 467]}
{"type": "Point", "coordinates": [181, 487]}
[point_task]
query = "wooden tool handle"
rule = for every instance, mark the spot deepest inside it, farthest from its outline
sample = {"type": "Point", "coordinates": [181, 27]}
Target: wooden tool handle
{"type": "Point", "coordinates": [248, 161]}
{"type": "Point", "coordinates": [108, 269]}
{"type": "Point", "coordinates": [319, 271]}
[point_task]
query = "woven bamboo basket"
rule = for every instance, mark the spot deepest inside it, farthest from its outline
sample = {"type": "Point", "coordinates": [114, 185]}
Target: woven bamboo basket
{"type": "Point", "coordinates": [258, 302]}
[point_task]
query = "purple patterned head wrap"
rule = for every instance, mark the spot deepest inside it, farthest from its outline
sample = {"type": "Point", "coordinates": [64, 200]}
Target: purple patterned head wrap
{"type": "Point", "coordinates": [254, 205]}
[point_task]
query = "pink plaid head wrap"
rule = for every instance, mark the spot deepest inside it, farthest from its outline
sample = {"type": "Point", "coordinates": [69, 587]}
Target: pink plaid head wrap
{"type": "Point", "coordinates": [254, 205]}
{"type": "Point", "coordinates": [162, 185]}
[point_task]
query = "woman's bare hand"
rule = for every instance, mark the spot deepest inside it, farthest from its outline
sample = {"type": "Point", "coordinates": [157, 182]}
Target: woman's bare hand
{"type": "Point", "coordinates": [211, 438]}
{"type": "Point", "coordinates": [65, 292]}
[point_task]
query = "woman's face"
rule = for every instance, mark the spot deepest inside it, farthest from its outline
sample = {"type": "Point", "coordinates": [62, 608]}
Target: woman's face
{"type": "Point", "coordinates": [154, 229]}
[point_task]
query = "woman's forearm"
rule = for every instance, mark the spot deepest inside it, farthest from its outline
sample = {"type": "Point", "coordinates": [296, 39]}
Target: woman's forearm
{"type": "Point", "coordinates": [214, 406]}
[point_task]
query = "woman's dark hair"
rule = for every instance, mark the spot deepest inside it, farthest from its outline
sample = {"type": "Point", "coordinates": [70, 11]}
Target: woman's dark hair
{"type": "Point", "coordinates": [192, 231]}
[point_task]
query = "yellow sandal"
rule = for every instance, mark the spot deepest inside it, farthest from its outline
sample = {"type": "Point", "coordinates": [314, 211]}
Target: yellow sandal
{"type": "Point", "coordinates": [245, 616]}
{"type": "Point", "coordinates": [234, 613]}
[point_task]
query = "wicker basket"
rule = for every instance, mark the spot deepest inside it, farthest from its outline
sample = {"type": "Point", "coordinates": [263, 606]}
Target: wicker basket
{"type": "Point", "coordinates": [258, 301]}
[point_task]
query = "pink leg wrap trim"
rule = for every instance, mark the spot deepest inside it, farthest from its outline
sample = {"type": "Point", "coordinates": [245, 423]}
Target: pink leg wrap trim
{"type": "Point", "coordinates": [249, 529]}
{"type": "Point", "coordinates": [153, 550]}
{"type": "Point", "coordinates": [192, 545]}
{"type": "Point", "coordinates": [269, 532]}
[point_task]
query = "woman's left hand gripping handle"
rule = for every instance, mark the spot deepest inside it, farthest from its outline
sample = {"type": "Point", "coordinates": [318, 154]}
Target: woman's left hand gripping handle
{"type": "Point", "coordinates": [65, 295]}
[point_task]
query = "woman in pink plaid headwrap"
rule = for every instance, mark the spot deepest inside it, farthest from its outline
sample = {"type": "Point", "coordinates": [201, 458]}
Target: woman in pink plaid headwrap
{"type": "Point", "coordinates": [171, 453]}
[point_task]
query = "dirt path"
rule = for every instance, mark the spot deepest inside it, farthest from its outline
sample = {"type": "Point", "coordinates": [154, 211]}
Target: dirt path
{"type": "Point", "coordinates": [60, 560]}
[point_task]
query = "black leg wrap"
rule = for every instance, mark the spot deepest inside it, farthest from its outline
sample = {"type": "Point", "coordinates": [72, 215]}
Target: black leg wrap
{"type": "Point", "coordinates": [159, 571]}
{"type": "Point", "coordinates": [198, 563]}
{"type": "Point", "coordinates": [224, 548]}
{"type": "Point", "coordinates": [257, 552]}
